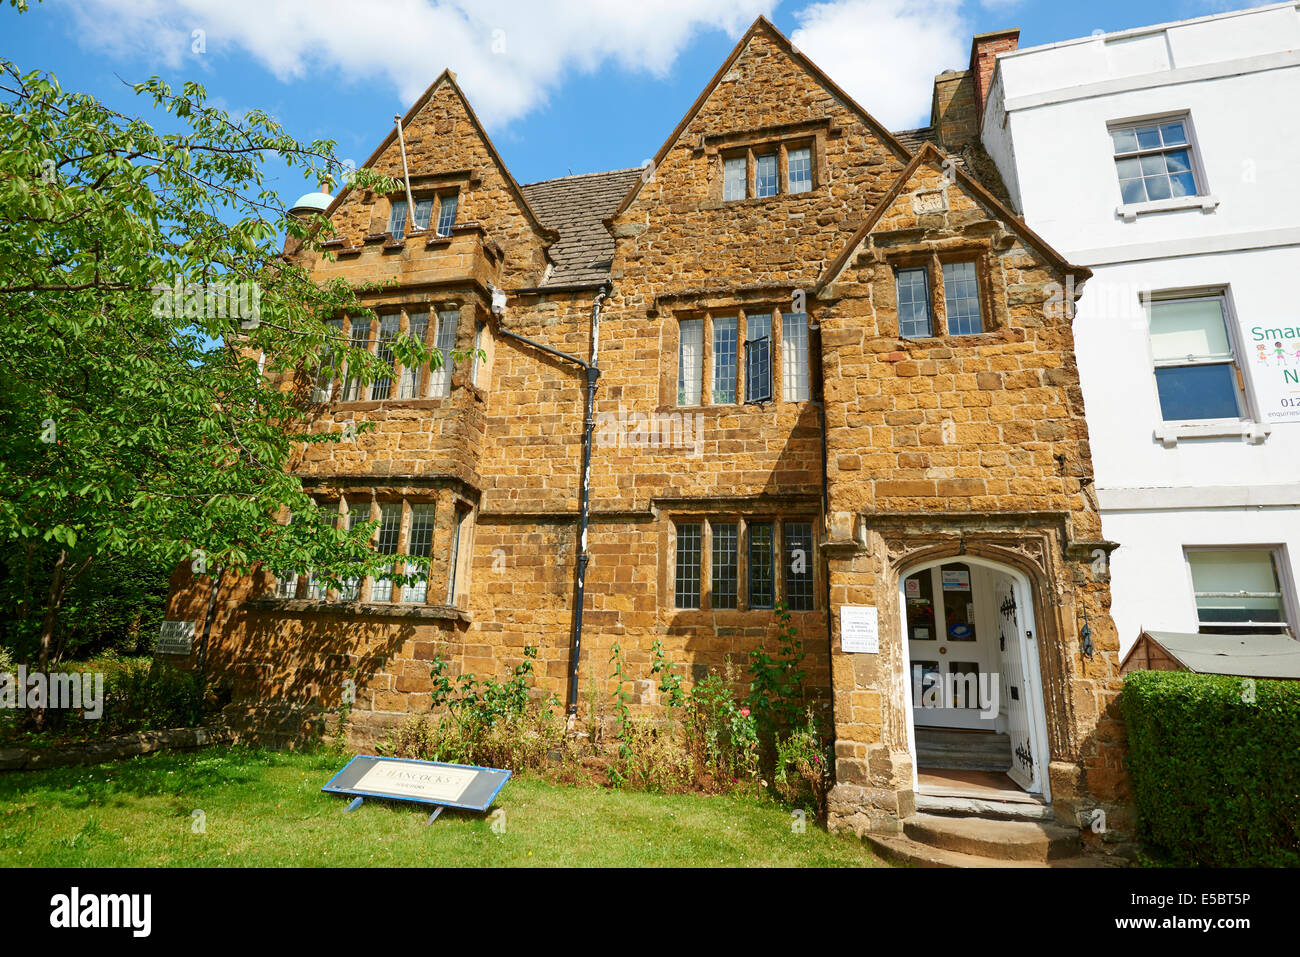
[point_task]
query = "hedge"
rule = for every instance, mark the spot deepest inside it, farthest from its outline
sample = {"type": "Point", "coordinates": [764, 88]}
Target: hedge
{"type": "Point", "coordinates": [1215, 762]}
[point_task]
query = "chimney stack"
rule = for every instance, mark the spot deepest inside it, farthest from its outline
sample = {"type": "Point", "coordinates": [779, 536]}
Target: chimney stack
{"type": "Point", "coordinates": [984, 48]}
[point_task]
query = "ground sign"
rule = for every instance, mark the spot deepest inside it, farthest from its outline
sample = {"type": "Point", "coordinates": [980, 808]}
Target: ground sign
{"type": "Point", "coordinates": [426, 782]}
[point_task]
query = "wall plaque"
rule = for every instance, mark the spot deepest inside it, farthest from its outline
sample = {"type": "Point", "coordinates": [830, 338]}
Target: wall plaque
{"type": "Point", "coordinates": [175, 638]}
{"type": "Point", "coordinates": [859, 629]}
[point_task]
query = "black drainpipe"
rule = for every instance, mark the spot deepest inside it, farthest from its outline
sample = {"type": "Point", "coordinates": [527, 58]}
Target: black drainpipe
{"type": "Point", "coordinates": [592, 370]}
{"type": "Point", "coordinates": [826, 564]}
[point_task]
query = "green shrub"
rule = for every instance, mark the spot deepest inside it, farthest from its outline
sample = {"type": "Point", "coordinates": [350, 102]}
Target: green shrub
{"type": "Point", "coordinates": [803, 767]}
{"type": "Point", "coordinates": [489, 723]}
{"type": "Point", "coordinates": [1215, 762]}
{"type": "Point", "coordinates": [140, 694]}
{"type": "Point", "coordinates": [721, 736]}
{"type": "Point", "coordinates": [776, 689]}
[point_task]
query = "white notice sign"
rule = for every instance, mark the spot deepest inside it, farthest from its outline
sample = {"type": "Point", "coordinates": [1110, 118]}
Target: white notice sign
{"type": "Point", "coordinates": [859, 629]}
{"type": "Point", "coordinates": [416, 781]}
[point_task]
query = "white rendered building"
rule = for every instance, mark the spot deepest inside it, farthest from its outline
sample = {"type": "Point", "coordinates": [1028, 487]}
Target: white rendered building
{"type": "Point", "coordinates": [1167, 160]}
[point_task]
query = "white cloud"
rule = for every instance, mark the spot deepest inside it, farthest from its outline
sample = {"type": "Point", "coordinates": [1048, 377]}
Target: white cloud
{"type": "Point", "coordinates": [507, 54]}
{"type": "Point", "coordinates": [886, 53]}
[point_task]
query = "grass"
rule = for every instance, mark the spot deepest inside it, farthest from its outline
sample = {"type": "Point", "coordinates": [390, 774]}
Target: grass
{"type": "Point", "coordinates": [266, 809]}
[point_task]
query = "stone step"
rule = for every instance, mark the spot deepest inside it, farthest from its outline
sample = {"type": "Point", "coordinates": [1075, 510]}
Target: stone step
{"type": "Point", "coordinates": [962, 750]}
{"type": "Point", "coordinates": [909, 853]}
{"type": "Point", "coordinates": [957, 804]}
{"type": "Point", "coordinates": [1021, 841]}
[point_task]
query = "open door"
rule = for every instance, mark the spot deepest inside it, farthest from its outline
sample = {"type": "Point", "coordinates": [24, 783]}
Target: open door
{"type": "Point", "coordinates": [950, 646]}
{"type": "Point", "coordinates": [1017, 686]}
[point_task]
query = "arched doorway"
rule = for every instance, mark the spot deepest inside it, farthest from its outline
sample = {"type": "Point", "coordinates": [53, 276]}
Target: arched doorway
{"type": "Point", "coordinates": [973, 691]}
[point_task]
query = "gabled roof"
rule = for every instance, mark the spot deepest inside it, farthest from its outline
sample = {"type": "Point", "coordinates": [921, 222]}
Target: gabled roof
{"type": "Point", "coordinates": [931, 153]}
{"type": "Point", "coordinates": [575, 206]}
{"type": "Point", "coordinates": [764, 25]}
{"type": "Point", "coordinates": [1245, 656]}
{"type": "Point", "coordinates": [446, 76]}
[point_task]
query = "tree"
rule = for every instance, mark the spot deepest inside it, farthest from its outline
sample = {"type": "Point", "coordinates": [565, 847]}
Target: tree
{"type": "Point", "coordinates": [142, 289]}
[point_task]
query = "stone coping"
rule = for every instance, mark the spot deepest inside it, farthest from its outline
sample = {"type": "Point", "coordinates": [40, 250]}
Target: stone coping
{"type": "Point", "coordinates": [113, 748]}
{"type": "Point", "coordinates": [353, 608]}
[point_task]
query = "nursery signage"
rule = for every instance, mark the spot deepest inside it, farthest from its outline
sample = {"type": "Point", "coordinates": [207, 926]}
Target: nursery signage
{"type": "Point", "coordinates": [175, 638]}
{"type": "Point", "coordinates": [1274, 359]}
{"type": "Point", "coordinates": [427, 782]}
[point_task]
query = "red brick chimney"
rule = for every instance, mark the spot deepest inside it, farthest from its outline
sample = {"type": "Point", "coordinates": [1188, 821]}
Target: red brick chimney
{"type": "Point", "coordinates": [984, 48]}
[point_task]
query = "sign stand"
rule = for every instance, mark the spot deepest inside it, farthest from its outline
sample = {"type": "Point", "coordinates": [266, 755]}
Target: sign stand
{"type": "Point", "coordinates": [356, 803]}
{"type": "Point", "coordinates": [434, 816]}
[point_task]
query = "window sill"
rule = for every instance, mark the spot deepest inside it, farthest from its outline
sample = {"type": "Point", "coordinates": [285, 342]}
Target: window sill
{"type": "Point", "coordinates": [1168, 434]}
{"type": "Point", "coordinates": [724, 616]}
{"type": "Point", "coordinates": [761, 200]}
{"type": "Point", "coordinates": [1129, 212]}
{"type": "Point", "coordinates": [722, 408]}
{"type": "Point", "coordinates": [371, 405]}
{"type": "Point", "coordinates": [372, 609]}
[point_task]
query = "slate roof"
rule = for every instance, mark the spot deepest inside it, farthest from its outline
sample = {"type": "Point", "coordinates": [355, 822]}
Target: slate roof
{"type": "Point", "coordinates": [915, 139]}
{"type": "Point", "coordinates": [575, 206]}
{"type": "Point", "coordinates": [1247, 656]}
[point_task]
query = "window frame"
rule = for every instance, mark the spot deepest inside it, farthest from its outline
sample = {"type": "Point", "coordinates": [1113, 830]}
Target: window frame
{"type": "Point", "coordinates": [400, 202]}
{"type": "Point", "coordinates": [932, 266]}
{"type": "Point", "coordinates": [1246, 411]}
{"type": "Point", "coordinates": [436, 223]}
{"type": "Point", "coordinates": [1290, 607]}
{"type": "Point", "coordinates": [694, 562]}
{"type": "Point", "coordinates": [424, 380]}
{"type": "Point", "coordinates": [742, 391]}
{"type": "Point", "coordinates": [931, 318]}
{"type": "Point", "coordinates": [1192, 146]}
{"type": "Point", "coordinates": [707, 566]}
{"type": "Point", "coordinates": [460, 553]}
{"type": "Point", "coordinates": [345, 511]}
{"type": "Point", "coordinates": [781, 149]}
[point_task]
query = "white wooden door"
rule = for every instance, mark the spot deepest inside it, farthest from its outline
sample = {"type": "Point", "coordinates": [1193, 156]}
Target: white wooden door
{"type": "Point", "coordinates": [1016, 685]}
{"type": "Point", "coordinates": [950, 649]}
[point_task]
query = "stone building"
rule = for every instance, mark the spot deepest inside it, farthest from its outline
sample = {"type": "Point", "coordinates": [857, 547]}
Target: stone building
{"type": "Point", "coordinates": [834, 371]}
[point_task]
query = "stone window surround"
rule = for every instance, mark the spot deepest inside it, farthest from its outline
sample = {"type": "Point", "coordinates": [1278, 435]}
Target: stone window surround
{"type": "Point", "coordinates": [932, 259]}
{"type": "Point", "coordinates": [812, 134]}
{"type": "Point", "coordinates": [427, 186]}
{"type": "Point", "coordinates": [751, 151]}
{"type": "Point", "coordinates": [742, 520]}
{"type": "Point", "coordinates": [449, 508]}
{"type": "Point", "coordinates": [739, 310]}
{"type": "Point", "coordinates": [464, 341]}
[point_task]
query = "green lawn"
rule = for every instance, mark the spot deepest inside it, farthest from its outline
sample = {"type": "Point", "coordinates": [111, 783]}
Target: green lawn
{"type": "Point", "coordinates": [267, 809]}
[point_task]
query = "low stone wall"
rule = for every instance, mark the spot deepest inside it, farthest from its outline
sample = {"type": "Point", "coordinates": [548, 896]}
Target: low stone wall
{"type": "Point", "coordinates": [112, 748]}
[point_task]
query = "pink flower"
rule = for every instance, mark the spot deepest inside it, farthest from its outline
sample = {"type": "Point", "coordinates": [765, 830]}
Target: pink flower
{"type": "Point", "coordinates": [744, 712]}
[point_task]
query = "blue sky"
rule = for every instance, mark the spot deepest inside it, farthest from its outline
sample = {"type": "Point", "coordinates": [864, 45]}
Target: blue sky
{"type": "Point", "coordinates": [563, 87]}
